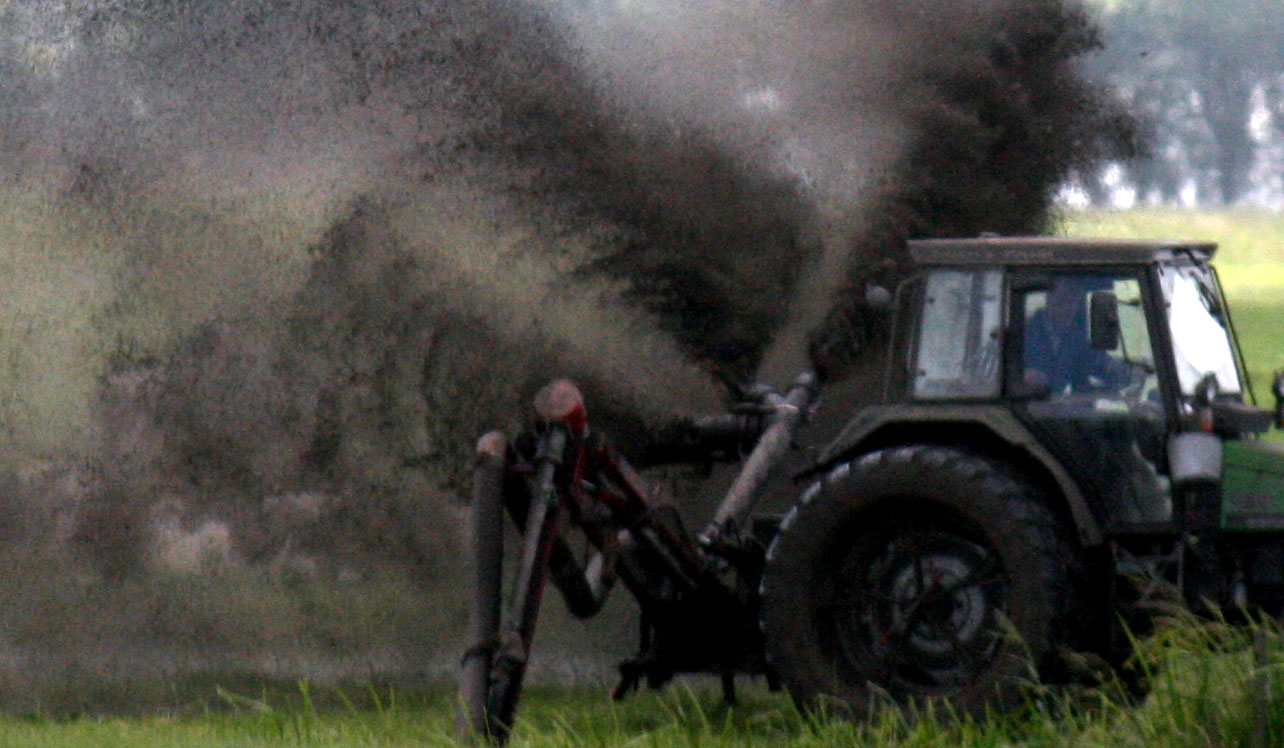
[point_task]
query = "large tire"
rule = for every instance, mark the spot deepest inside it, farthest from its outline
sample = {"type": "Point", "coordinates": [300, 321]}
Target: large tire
{"type": "Point", "coordinates": [922, 573]}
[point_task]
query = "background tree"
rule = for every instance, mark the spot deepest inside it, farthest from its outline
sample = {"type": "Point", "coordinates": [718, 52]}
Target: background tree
{"type": "Point", "coordinates": [1198, 72]}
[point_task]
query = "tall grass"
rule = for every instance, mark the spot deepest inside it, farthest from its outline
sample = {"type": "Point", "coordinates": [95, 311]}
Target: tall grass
{"type": "Point", "coordinates": [1207, 686]}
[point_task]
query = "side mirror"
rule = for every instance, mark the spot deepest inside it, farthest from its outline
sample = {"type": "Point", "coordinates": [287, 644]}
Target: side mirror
{"type": "Point", "coordinates": [1103, 320]}
{"type": "Point", "coordinates": [1278, 389]}
{"type": "Point", "coordinates": [1205, 394]}
{"type": "Point", "coordinates": [1206, 390]}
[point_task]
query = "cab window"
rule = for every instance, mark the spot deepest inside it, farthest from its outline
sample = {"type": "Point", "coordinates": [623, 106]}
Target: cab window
{"type": "Point", "coordinates": [958, 335]}
{"type": "Point", "coordinates": [1059, 352]}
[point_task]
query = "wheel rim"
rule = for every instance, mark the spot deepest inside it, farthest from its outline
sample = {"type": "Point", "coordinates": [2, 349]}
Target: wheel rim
{"type": "Point", "coordinates": [918, 608]}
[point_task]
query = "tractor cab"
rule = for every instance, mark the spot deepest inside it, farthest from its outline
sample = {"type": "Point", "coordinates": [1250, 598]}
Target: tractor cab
{"type": "Point", "coordinates": [1109, 367]}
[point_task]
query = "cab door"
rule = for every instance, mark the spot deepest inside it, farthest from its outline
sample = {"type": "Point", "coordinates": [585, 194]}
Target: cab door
{"type": "Point", "coordinates": [1092, 395]}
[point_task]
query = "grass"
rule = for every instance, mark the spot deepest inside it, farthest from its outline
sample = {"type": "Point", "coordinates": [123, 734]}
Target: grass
{"type": "Point", "coordinates": [1208, 687]}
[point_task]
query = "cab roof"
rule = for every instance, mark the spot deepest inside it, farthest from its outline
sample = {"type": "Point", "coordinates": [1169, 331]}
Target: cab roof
{"type": "Point", "coordinates": [1049, 250]}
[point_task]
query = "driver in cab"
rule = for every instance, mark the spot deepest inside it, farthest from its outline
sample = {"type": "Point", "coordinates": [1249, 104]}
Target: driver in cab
{"type": "Point", "coordinates": [1058, 349]}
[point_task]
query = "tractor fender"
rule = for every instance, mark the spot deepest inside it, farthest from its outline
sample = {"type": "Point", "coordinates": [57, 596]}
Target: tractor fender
{"type": "Point", "coordinates": [879, 426]}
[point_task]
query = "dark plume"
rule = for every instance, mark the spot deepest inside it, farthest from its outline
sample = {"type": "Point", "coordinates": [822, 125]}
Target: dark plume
{"type": "Point", "coordinates": [284, 261]}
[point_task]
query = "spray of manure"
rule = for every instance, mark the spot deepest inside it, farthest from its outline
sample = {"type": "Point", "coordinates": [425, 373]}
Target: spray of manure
{"type": "Point", "coordinates": [269, 267]}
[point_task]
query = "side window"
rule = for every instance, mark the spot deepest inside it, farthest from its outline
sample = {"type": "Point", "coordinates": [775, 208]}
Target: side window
{"type": "Point", "coordinates": [958, 336]}
{"type": "Point", "coordinates": [1057, 348]}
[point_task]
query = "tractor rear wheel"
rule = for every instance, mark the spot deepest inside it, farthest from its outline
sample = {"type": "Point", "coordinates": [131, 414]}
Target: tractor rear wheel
{"type": "Point", "coordinates": [918, 573]}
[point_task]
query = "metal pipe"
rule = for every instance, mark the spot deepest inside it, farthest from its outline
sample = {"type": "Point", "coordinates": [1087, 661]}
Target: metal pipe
{"type": "Point", "coordinates": [787, 415]}
{"type": "Point", "coordinates": [538, 541]}
{"type": "Point", "coordinates": [488, 558]}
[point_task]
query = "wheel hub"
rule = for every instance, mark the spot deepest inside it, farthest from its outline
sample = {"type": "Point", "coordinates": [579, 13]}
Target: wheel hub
{"type": "Point", "coordinates": [940, 611]}
{"type": "Point", "coordinates": [920, 607]}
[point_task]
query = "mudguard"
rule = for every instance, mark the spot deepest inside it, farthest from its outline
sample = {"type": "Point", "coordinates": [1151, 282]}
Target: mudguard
{"type": "Point", "coordinates": [870, 429]}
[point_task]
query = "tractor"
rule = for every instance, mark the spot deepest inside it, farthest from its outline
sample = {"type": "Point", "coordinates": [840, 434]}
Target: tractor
{"type": "Point", "coordinates": [1064, 436]}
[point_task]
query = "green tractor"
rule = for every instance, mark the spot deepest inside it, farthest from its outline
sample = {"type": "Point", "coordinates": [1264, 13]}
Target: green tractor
{"type": "Point", "coordinates": [1067, 433]}
{"type": "Point", "coordinates": [1066, 438]}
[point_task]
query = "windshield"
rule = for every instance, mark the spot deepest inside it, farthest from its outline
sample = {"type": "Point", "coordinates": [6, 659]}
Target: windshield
{"type": "Point", "coordinates": [1201, 343]}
